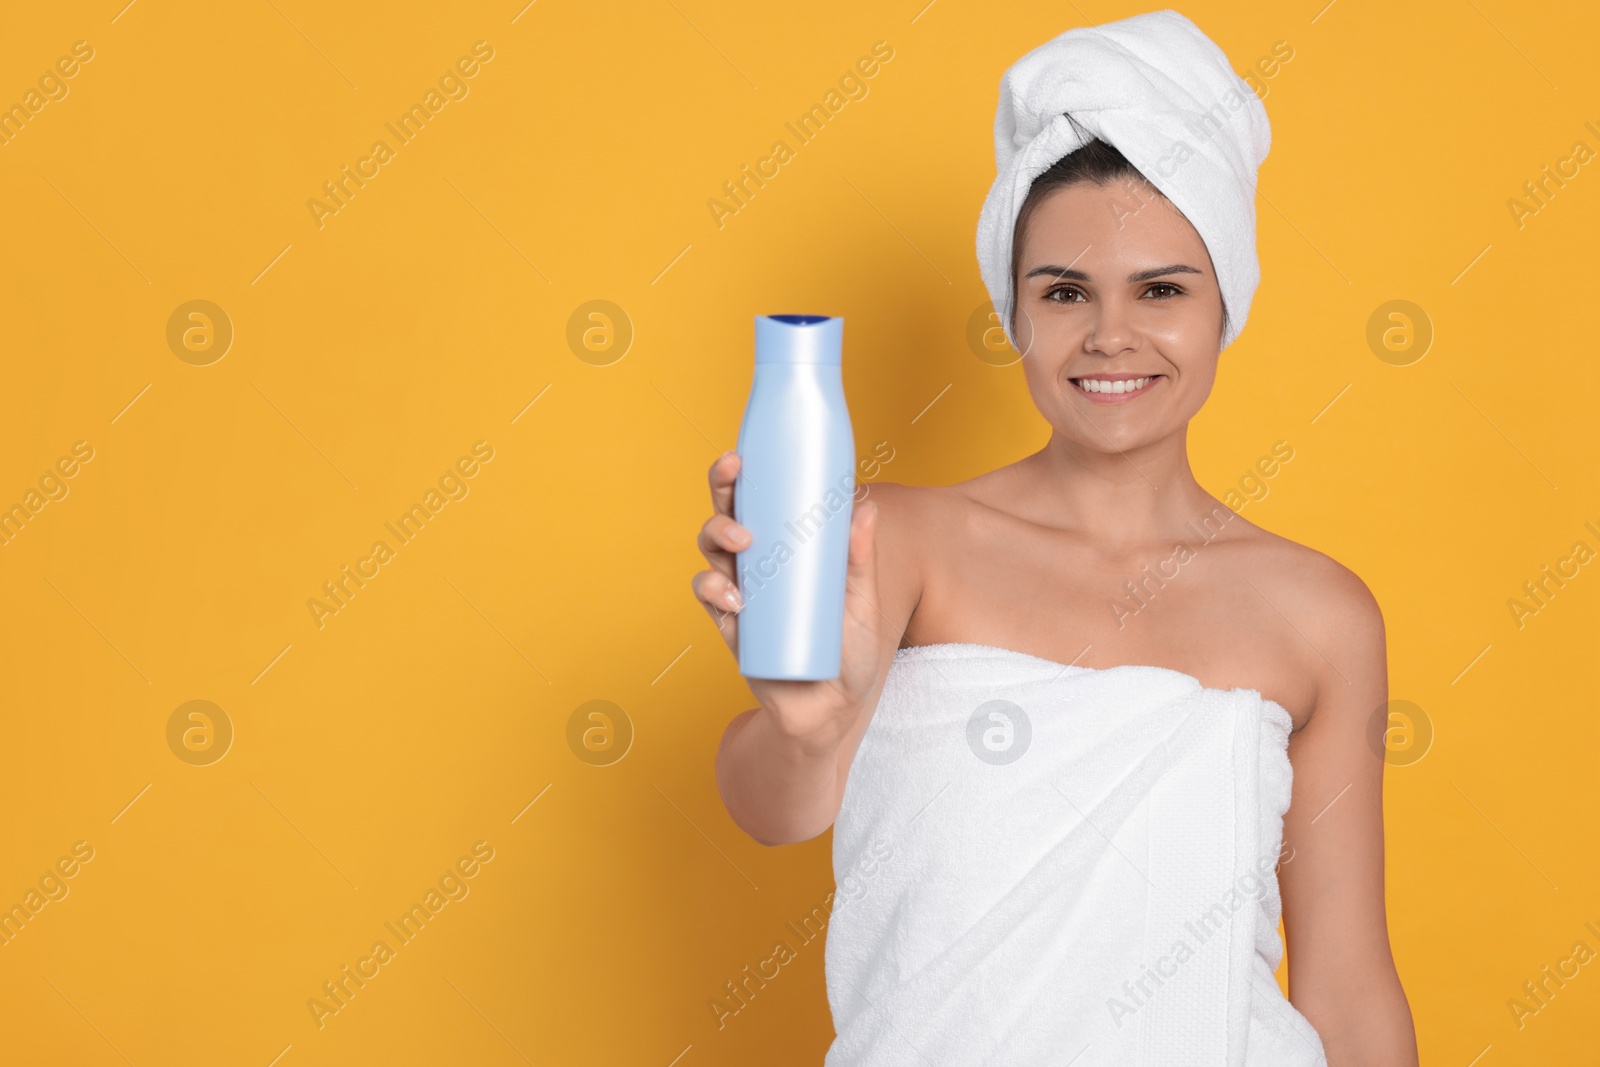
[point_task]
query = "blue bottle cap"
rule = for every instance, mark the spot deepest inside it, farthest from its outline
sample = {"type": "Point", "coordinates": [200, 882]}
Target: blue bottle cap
{"type": "Point", "coordinates": [817, 339]}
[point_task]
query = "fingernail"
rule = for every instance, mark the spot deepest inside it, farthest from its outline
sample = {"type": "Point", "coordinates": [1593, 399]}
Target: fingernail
{"type": "Point", "coordinates": [734, 600]}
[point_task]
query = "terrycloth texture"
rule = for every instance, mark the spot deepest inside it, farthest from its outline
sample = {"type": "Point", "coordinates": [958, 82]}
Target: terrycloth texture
{"type": "Point", "coordinates": [1159, 91]}
{"type": "Point", "coordinates": [1099, 896]}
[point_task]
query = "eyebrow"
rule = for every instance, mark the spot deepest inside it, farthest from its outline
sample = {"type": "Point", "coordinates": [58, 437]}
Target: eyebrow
{"type": "Point", "coordinates": [1138, 276]}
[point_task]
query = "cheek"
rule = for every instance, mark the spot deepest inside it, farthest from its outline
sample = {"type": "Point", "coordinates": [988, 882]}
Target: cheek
{"type": "Point", "coordinates": [1042, 374]}
{"type": "Point", "coordinates": [1204, 371]}
{"type": "Point", "coordinates": [1043, 334]}
{"type": "Point", "coordinates": [1195, 380]}
{"type": "Point", "coordinates": [1022, 327]}
{"type": "Point", "coordinates": [1188, 335]}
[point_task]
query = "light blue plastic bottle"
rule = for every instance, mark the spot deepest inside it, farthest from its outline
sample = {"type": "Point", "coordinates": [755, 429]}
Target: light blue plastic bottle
{"type": "Point", "coordinates": [794, 493]}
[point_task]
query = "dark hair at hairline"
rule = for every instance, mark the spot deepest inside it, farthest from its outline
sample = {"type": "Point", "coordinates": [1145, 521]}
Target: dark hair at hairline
{"type": "Point", "coordinates": [1097, 162]}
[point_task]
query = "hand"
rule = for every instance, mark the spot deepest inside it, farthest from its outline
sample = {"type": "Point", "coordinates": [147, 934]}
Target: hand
{"type": "Point", "coordinates": [817, 713]}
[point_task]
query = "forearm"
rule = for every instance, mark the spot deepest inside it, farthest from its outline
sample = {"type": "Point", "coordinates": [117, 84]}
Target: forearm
{"type": "Point", "coordinates": [776, 788]}
{"type": "Point", "coordinates": [1374, 1030]}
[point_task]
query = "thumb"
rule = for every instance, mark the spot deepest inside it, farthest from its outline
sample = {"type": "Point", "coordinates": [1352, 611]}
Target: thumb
{"type": "Point", "coordinates": [861, 573]}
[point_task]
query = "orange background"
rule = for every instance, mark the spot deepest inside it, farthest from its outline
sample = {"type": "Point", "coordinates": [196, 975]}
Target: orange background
{"type": "Point", "coordinates": [431, 712]}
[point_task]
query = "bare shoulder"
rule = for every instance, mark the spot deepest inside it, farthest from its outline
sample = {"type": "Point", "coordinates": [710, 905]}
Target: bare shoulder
{"type": "Point", "coordinates": [916, 521]}
{"type": "Point", "coordinates": [1314, 583]}
{"type": "Point", "coordinates": [909, 509]}
{"type": "Point", "coordinates": [1326, 603]}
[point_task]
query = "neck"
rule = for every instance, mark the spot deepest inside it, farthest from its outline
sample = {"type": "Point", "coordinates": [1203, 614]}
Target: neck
{"type": "Point", "coordinates": [1133, 497]}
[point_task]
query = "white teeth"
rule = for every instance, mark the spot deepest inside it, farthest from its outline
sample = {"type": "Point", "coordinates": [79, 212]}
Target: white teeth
{"type": "Point", "coordinates": [1097, 385]}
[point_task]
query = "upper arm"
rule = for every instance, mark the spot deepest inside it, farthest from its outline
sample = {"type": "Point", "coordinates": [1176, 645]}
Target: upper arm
{"type": "Point", "coordinates": [1332, 878]}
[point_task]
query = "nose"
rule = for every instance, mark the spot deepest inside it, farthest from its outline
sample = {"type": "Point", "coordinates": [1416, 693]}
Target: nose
{"type": "Point", "coordinates": [1111, 329]}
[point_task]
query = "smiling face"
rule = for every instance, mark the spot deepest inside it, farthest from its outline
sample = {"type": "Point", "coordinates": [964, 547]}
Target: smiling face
{"type": "Point", "coordinates": [1119, 315]}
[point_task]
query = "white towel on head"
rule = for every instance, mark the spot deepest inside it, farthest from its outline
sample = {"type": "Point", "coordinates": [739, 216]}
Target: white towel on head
{"type": "Point", "coordinates": [1157, 89]}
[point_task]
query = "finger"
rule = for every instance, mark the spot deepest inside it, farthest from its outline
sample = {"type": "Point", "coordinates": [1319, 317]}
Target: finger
{"type": "Point", "coordinates": [710, 590]}
{"type": "Point", "coordinates": [716, 590]}
{"type": "Point", "coordinates": [720, 537]}
{"type": "Point", "coordinates": [861, 572]}
{"type": "Point", "coordinates": [863, 557]}
{"type": "Point", "coordinates": [724, 472]}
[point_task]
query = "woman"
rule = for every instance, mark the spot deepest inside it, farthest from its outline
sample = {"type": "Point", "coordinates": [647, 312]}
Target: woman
{"type": "Point", "coordinates": [1093, 599]}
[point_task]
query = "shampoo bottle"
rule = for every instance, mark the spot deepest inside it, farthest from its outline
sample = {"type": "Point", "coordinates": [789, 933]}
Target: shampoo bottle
{"type": "Point", "coordinates": [794, 492]}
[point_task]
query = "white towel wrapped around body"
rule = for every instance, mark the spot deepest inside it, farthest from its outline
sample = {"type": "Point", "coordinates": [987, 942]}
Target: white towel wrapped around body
{"type": "Point", "coordinates": [1036, 862]}
{"type": "Point", "coordinates": [1157, 89]}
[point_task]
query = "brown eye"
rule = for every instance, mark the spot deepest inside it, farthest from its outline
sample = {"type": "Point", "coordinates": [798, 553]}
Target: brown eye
{"type": "Point", "coordinates": [1166, 285]}
{"type": "Point", "coordinates": [1062, 289]}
